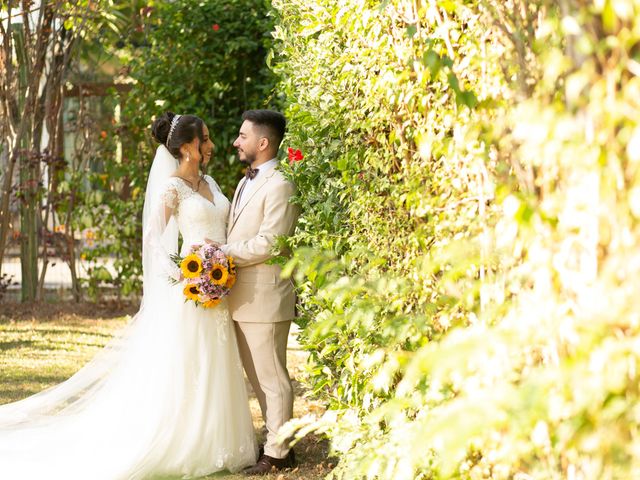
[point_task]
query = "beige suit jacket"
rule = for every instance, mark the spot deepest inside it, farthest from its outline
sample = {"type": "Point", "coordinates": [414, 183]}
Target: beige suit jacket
{"type": "Point", "coordinates": [260, 295]}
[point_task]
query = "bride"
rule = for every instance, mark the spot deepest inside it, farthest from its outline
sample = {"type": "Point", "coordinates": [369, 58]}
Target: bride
{"type": "Point", "coordinates": [167, 396]}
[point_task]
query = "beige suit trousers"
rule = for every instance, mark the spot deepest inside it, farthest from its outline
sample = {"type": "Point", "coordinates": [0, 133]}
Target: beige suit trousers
{"type": "Point", "coordinates": [263, 348]}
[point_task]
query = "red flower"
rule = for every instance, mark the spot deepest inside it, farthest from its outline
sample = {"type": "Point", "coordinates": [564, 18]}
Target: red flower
{"type": "Point", "coordinates": [294, 155]}
{"type": "Point", "coordinates": [103, 134]}
{"type": "Point", "coordinates": [215, 27]}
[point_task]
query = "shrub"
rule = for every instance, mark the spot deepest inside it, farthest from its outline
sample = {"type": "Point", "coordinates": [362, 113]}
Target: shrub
{"type": "Point", "coordinates": [467, 255]}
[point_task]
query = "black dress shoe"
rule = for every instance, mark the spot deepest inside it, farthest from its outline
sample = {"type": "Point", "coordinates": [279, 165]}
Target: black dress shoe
{"type": "Point", "coordinates": [268, 464]}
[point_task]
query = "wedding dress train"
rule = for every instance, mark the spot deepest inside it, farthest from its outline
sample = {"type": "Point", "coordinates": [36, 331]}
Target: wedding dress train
{"type": "Point", "coordinates": [166, 397]}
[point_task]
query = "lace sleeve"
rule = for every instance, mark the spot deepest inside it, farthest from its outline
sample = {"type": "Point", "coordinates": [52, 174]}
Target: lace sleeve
{"type": "Point", "coordinates": [170, 197]}
{"type": "Point", "coordinates": [160, 237]}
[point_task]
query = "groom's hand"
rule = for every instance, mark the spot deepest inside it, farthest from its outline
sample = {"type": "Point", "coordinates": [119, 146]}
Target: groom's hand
{"type": "Point", "coordinates": [211, 242]}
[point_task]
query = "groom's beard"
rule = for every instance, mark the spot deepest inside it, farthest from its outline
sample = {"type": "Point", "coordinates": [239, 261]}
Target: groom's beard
{"type": "Point", "coordinates": [249, 159]}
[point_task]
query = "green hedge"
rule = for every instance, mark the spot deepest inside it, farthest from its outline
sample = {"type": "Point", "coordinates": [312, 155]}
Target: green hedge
{"type": "Point", "coordinates": [360, 104]}
{"type": "Point", "coordinates": [468, 250]}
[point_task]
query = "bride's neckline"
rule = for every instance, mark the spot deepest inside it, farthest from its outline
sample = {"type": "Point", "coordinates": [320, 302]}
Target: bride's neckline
{"type": "Point", "coordinates": [194, 192]}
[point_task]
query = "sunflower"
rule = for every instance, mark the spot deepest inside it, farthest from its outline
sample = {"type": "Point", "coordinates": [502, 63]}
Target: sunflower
{"type": "Point", "coordinates": [218, 274]}
{"type": "Point", "coordinates": [191, 266]}
{"type": "Point", "coordinates": [232, 266]}
{"type": "Point", "coordinates": [191, 291]}
{"type": "Point", "coordinates": [231, 281]}
{"type": "Point", "coordinates": [211, 303]}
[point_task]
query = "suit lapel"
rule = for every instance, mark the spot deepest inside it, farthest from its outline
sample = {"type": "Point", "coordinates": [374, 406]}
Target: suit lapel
{"type": "Point", "coordinates": [236, 214]}
{"type": "Point", "coordinates": [232, 211]}
{"type": "Point", "coordinates": [235, 196]}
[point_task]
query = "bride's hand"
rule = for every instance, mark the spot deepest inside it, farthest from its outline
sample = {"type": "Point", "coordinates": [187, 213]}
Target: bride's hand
{"type": "Point", "coordinates": [211, 242]}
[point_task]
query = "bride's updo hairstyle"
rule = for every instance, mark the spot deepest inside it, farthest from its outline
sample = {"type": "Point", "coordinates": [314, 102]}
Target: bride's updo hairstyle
{"type": "Point", "coordinates": [185, 129]}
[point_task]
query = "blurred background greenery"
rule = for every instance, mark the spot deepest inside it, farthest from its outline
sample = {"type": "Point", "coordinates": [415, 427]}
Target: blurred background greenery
{"type": "Point", "coordinates": [124, 62]}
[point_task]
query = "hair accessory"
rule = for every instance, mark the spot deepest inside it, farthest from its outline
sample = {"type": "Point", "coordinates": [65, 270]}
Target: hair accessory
{"type": "Point", "coordinates": [174, 122]}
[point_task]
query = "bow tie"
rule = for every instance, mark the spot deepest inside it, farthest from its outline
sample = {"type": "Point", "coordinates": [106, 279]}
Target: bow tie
{"type": "Point", "coordinates": [251, 173]}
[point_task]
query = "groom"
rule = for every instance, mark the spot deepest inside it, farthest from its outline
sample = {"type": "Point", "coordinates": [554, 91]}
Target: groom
{"type": "Point", "coordinates": [261, 304]}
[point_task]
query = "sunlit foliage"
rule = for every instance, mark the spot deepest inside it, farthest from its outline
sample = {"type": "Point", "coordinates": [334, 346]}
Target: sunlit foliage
{"type": "Point", "coordinates": [468, 252]}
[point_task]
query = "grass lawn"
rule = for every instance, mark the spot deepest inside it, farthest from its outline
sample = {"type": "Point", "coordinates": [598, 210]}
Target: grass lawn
{"type": "Point", "coordinates": [44, 344]}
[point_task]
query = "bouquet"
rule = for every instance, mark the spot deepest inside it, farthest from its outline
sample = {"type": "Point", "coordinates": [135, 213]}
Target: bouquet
{"type": "Point", "coordinates": [208, 274]}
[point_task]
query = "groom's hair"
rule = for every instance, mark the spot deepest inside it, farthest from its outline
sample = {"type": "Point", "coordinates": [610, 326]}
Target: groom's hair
{"type": "Point", "coordinates": [271, 123]}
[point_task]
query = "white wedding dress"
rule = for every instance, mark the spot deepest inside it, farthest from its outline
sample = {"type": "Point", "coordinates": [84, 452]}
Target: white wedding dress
{"type": "Point", "coordinates": [166, 398]}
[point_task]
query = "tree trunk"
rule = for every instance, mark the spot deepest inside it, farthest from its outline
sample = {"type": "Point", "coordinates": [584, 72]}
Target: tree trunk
{"type": "Point", "coordinates": [29, 238]}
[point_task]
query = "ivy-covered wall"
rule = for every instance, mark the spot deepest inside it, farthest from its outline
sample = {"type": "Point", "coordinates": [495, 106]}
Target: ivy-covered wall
{"type": "Point", "coordinates": [468, 251]}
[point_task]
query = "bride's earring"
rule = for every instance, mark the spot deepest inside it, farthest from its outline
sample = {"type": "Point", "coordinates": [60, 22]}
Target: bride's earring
{"type": "Point", "coordinates": [188, 157]}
